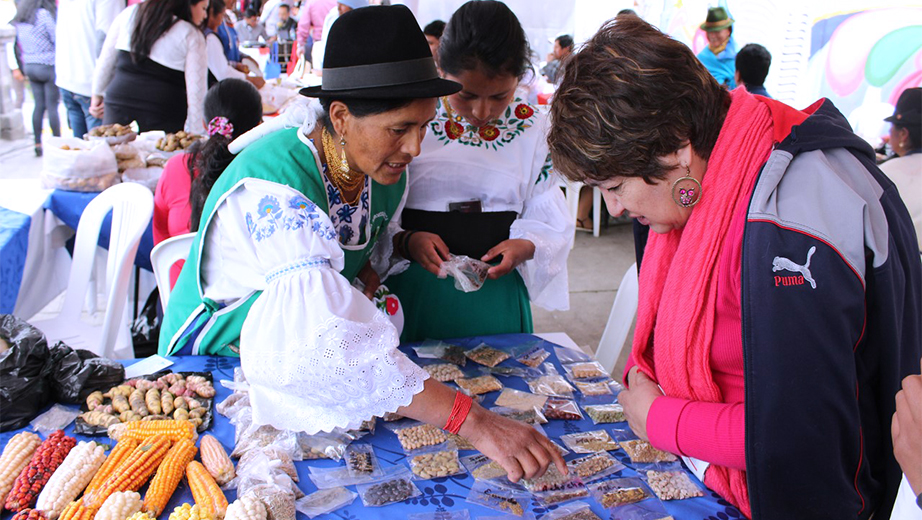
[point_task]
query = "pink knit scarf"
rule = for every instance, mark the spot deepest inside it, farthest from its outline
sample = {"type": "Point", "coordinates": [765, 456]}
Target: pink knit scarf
{"type": "Point", "coordinates": [672, 342]}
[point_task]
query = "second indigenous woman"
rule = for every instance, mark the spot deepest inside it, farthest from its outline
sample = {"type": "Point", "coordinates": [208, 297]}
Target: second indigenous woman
{"type": "Point", "coordinates": [483, 187]}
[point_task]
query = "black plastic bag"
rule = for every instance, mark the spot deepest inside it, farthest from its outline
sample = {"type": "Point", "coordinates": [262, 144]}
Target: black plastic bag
{"type": "Point", "coordinates": [24, 389]}
{"type": "Point", "coordinates": [74, 374]}
{"type": "Point", "coordinates": [145, 329]}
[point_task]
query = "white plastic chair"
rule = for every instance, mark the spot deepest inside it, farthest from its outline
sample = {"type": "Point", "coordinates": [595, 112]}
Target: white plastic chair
{"type": "Point", "coordinates": [163, 256]}
{"type": "Point", "coordinates": [132, 206]}
{"type": "Point", "coordinates": [619, 321]}
{"type": "Point", "coordinates": [573, 189]}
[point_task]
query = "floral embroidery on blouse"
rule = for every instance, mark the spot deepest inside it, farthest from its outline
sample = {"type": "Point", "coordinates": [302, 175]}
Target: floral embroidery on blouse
{"type": "Point", "coordinates": [518, 117]}
{"type": "Point", "coordinates": [350, 221]}
{"type": "Point", "coordinates": [545, 172]}
{"type": "Point", "coordinates": [299, 213]}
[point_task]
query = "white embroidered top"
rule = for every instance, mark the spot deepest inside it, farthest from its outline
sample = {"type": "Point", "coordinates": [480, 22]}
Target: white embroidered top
{"type": "Point", "coordinates": [507, 167]}
{"type": "Point", "coordinates": [316, 352]}
{"type": "Point", "coordinates": [182, 47]}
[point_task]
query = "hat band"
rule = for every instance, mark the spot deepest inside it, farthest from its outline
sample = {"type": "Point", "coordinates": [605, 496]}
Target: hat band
{"type": "Point", "coordinates": [379, 74]}
{"type": "Point", "coordinates": [708, 25]}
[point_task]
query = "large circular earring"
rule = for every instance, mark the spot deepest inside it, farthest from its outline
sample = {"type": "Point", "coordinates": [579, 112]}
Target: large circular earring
{"type": "Point", "coordinates": [686, 191]}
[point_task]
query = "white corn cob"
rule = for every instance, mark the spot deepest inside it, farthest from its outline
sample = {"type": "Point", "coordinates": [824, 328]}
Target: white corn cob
{"type": "Point", "coordinates": [16, 455]}
{"type": "Point", "coordinates": [247, 507]}
{"type": "Point", "coordinates": [119, 506]}
{"type": "Point", "coordinates": [70, 478]}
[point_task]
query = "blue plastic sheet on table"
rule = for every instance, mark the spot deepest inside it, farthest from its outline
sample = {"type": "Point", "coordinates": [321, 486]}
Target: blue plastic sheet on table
{"type": "Point", "coordinates": [440, 494]}
{"type": "Point", "coordinates": [14, 245]}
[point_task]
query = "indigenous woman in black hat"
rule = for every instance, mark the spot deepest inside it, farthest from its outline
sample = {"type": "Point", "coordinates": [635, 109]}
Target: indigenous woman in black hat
{"type": "Point", "coordinates": [294, 220]}
{"type": "Point", "coordinates": [483, 187]}
{"type": "Point", "coordinates": [905, 168]}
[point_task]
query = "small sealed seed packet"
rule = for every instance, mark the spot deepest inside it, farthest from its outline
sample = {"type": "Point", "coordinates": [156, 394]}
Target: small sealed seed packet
{"type": "Point", "coordinates": [527, 516]}
{"type": "Point", "coordinates": [533, 416]}
{"type": "Point", "coordinates": [480, 385]}
{"type": "Point", "coordinates": [522, 372]}
{"type": "Point", "coordinates": [640, 451]}
{"type": "Point", "coordinates": [650, 509]}
{"type": "Point", "coordinates": [361, 460]}
{"type": "Point", "coordinates": [329, 478]}
{"type": "Point", "coordinates": [462, 514]}
{"type": "Point", "coordinates": [512, 398]}
{"type": "Point", "coordinates": [492, 496]}
{"type": "Point", "coordinates": [620, 492]}
{"type": "Point", "coordinates": [416, 435]}
{"type": "Point", "coordinates": [563, 409]}
{"type": "Point", "coordinates": [568, 355]}
{"type": "Point", "coordinates": [487, 355]}
{"type": "Point", "coordinates": [552, 480]}
{"type": "Point", "coordinates": [442, 371]}
{"type": "Point", "coordinates": [605, 413]}
{"type": "Point", "coordinates": [434, 349]}
{"type": "Point", "coordinates": [552, 385]}
{"type": "Point", "coordinates": [459, 442]}
{"type": "Point", "coordinates": [574, 511]}
{"type": "Point", "coordinates": [395, 486]}
{"type": "Point", "coordinates": [585, 370]}
{"type": "Point", "coordinates": [324, 501]}
{"type": "Point", "coordinates": [594, 467]}
{"type": "Point", "coordinates": [562, 495]}
{"type": "Point", "coordinates": [482, 467]}
{"type": "Point", "coordinates": [589, 442]}
{"type": "Point", "coordinates": [672, 484]}
{"type": "Point", "coordinates": [435, 464]}
{"type": "Point", "coordinates": [469, 273]}
{"type": "Point", "coordinates": [531, 354]}
{"type": "Point", "coordinates": [598, 387]}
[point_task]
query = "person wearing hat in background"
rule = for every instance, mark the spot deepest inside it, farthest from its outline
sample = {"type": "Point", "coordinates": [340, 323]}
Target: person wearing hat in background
{"type": "Point", "coordinates": [905, 170]}
{"type": "Point", "coordinates": [295, 219]}
{"type": "Point", "coordinates": [720, 55]}
{"type": "Point", "coordinates": [341, 8]}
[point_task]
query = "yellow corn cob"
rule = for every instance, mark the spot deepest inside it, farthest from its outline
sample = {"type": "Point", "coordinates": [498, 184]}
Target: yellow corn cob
{"type": "Point", "coordinates": [134, 472]}
{"type": "Point", "coordinates": [16, 455]}
{"type": "Point", "coordinates": [168, 476]}
{"type": "Point", "coordinates": [216, 460]}
{"type": "Point", "coordinates": [117, 456]}
{"type": "Point", "coordinates": [140, 515]}
{"type": "Point", "coordinates": [77, 511]}
{"type": "Point", "coordinates": [119, 506]}
{"type": "Point", "coordinates": [70, 478]}
{"type": "Point", "coordinates": [189, 512]}
{"type": "Point", "coordinates": [142, 430]}
{"type": "Point", "coordinates": [205, 490]}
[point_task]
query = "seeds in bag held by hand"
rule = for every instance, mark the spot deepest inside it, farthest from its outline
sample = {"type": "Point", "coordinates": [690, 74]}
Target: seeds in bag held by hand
{"type": "Point", "coordinates": [487, 355]}
{"type": "Point", "coordinates": [643, 452]}
{"type": "Point", "coordinates": [444, 372]}
{"type": "Point", "coordinates": [672, 485]}
{"type": "Point", "coordinates": [480, 385]}
{"type": "Point", "coordinates": [416, 437]}
{"type": "Point", "coordinates": [605, 413]}
{"type": "Point", "coordinates": [437, 464]}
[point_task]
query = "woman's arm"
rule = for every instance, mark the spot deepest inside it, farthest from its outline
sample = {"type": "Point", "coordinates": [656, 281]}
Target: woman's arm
{"type": "Point", "coordinates": [196, 73]}
{"type": "Point", "coordinates": [217, 61]}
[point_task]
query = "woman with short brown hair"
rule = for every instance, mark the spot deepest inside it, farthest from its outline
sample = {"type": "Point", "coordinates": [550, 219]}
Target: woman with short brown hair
{"type": "Point", "coordinates": [779, 291]}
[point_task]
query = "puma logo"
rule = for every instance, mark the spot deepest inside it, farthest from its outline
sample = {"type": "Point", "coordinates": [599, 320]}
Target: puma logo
{"type": "Point", "coordinates": [781, 263]}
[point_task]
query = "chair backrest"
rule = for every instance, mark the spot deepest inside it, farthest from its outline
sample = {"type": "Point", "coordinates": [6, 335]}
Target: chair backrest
{"type": "Point", "coordinates": [132, 206]}
{"type": "Point", "coordinates": [163, 256]}
{"type": "Point", "coordinates": [619, 321]}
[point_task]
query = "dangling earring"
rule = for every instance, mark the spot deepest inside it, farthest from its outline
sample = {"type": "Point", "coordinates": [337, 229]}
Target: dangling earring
{"type": "Point", "coordinates": [344, 164]}
{"type": "Point", "coordinates": [686, 191]}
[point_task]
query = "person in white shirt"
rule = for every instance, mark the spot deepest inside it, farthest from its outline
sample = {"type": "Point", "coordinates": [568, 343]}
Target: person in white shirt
{"type": "Point", "coordinates": [250, 29]}
{"type": "Point", "coordinates": [83, 24]}
{"type": "Point", "coordinates": [153, 68]}
{"type": "Point", "coordinates": [219, 68]}
{"type": "Point", "coordinates": [341, 8]}
{"type": "Point", "coordinates": [905, 170]}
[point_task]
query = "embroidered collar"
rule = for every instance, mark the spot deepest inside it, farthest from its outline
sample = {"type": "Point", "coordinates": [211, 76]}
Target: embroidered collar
{"type": "Point", "coordinates": [518, 117]}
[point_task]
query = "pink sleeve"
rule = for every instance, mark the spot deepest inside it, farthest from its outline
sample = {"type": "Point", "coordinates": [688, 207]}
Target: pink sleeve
{"type": "Point", "coordinates": [712, 432]}
{"type": "Point", "coordinates": [172, 210]}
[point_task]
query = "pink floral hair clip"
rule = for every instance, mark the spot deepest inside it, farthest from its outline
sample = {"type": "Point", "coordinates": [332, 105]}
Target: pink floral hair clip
{"type": "Point", "coordinates": [220, 125]}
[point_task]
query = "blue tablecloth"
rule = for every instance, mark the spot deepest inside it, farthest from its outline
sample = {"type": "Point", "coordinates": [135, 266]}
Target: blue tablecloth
{"type": "Point", "coordinates": [69, 206]}
{"type": "Point", "coordinates": [14, 243]}
{"type": "Point", "coordinates": [440, 494]}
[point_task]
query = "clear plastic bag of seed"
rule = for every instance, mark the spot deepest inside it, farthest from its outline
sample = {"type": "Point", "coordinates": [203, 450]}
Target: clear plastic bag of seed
{"type": "Point", "coordinates": [640, 451]}
{"type": "Point", "coordinates": [568, 355]}
{"type": "Point", "coordinates": [527, 516]}
{"type": "Point", "coordinates": [589, 442]}
{"type": "Point", "coordinates": [435, 464]}
{"type": "Point", "coordinates": [530, 354]}
{"type": "Point", "coordinates": [504, 371]}
{"type": "Point", "coordinates": [441, 370]}
{"type": "Point", "coordinates": [462, 514]}
{"type": "Point", "coordinates": [560, 496]}
{"type": "Point", "coordinates": [672, 482]}
{"type": "Point", "coordinates": [575, 511]}
{"type": "Point", "coordinates": [562, 409]}
{"type": "Point", "coordinates": [482, 467]}
{"type": "Point", "coordinates": [491, 495]}
{"type": "Point", "coordinates": [595, 466]}
{"type": "Point", "coordinates": [605, 413]}
{"type": "Point", "coordinates": [585, 370]}
{"type": "Point", "coordinates": [361, 460]}
{"type": "Point", "coordinates": [551, 480]}
{"type": "Point", "coordinates": [551, 384]}
{"type": "Point", "coordinates": [324, 501]}
{"type": "Point", "coordinates": [620, 492]}
{"type": "Point", "coordinates": [416, 435]}
{"type": "Point", "coordinates": [533, 416]}
{"type": "Point", "coordinates": [328, 478]}
{"type": "Point", "coordinates": [325, 445]}
{"type": "Point", "coordinates": [486, 355]}
{"type": "Point", "coordinates": [512, 398]}
{"type": "Point", "coordinates": [434, 349]}
{"type": "Point", "coordinates": [480, 384]}
{"type": "Point", "coordinates": [598, 390]}
{"type": "Point", "coordinates": [459, 443]}
{"type": "Point", "coordinates": [395, 486]}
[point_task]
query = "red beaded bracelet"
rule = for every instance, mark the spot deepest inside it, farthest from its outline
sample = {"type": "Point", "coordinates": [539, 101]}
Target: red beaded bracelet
{"type": "Point", "coordinates": [459, 411]}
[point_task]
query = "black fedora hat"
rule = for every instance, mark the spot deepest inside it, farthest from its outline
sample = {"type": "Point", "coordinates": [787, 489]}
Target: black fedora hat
{"type": "Point", "coordinates": [908, 109]}
{"type": "Point", "coordinates": [379, 52]}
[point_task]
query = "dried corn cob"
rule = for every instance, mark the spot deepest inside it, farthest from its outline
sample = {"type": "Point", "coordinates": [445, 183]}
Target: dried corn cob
{"type": "Point", "coordinates": [140, 515]}
{"type": "Point", "coordinates": [68, 481]}
{"type": "Point", "coordinates": [205, 490]}
{"type": "Point", "coordinates": [189, 512]}
{"type": "Point", "coordinates": [30, 514]}
{"type": "Point", "coordinates": [119, 506]}
{"type": "Point", "coordinates": [134, 472]}
{"type": "Point", "coordinates": [246, 507]}
{"type": "Point", "coordinates": [166, 402]}
{"type": "Point", "coordinates": [216, 461]}
{"type": "Point", "coordinates": [77, 511]}
{"type": "Point", "coordinates": [117, 456]}
{"type": "Point", "coordinates": [138, 406]}
{"type": "Point", "coordinates": [140, 430]}
{"type": "Point", "coordinates": [15, 456]}
{"type": "Point", "coordinates": [152, 399]}
{"type": "Point", "coordinates": [47, 458]}
{"type": "Point", "coordinates": [168, 476]}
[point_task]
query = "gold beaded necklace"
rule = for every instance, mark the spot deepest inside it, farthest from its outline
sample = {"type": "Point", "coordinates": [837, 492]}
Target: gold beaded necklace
{"type": "Point", "coordinates": [341, 175]}
{"type": "Point", "coordinates": [449, 112]}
